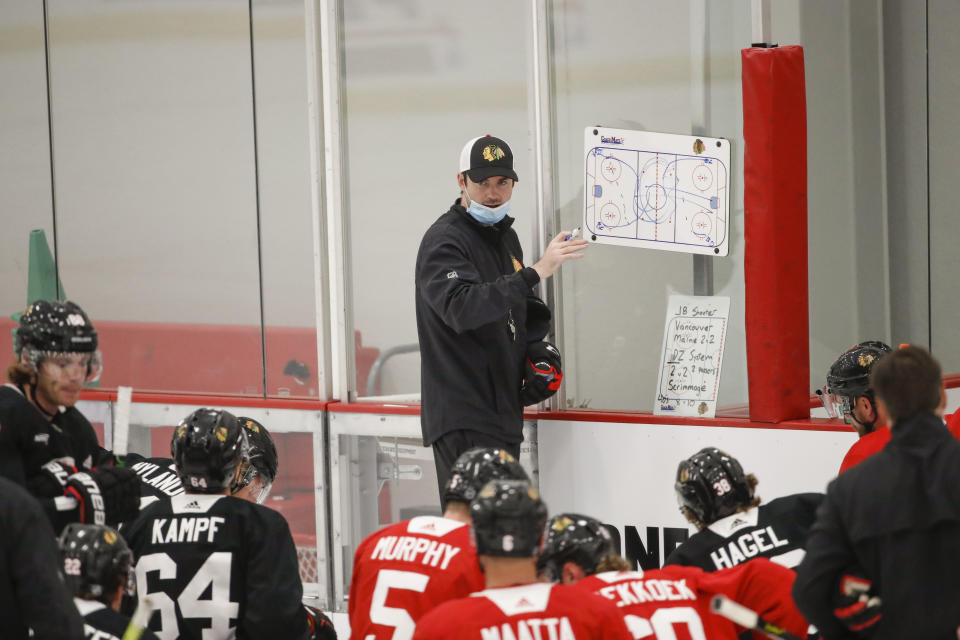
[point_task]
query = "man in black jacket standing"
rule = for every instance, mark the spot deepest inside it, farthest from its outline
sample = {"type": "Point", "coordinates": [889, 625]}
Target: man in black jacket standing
{"type": "Point", "coordinates": [473, 293]}
{"type": "Point", "coordinates": [892, 522]}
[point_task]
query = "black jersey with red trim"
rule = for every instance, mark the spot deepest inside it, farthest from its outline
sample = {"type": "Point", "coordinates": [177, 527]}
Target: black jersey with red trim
{"type": "Point", "coordinates": [100, 622]}
{"type": "Point", "coordinates": [217, 567]}
{"type": "Point", "coordinates": [776, 530]}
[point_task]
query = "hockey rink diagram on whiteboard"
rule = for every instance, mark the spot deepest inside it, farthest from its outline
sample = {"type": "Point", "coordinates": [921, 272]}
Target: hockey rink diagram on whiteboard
{"type": "Point", "coordinates": [655, 190]}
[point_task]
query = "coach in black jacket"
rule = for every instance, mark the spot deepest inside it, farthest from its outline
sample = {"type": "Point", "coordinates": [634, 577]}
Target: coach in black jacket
{"type": "Point", "coordinates": [472, 297]}
{"type": "Point", "coordinates": [894, 518]}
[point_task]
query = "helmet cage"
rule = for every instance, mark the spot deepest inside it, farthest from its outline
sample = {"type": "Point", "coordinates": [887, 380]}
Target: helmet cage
{"type": "Point", "coordinates": [249, 473]}
{"type": "Point", "coordinates": [93, 364]}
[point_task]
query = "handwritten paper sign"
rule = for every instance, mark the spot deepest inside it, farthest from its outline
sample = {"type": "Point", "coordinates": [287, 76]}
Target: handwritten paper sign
{"type": "Point", "coordinates": [692, 354]}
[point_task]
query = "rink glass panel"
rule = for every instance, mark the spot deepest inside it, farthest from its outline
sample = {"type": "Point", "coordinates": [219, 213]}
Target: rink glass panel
{"type": "Point", "coordinates": [376, 480]}
{"type": "Point", "coordinates": [380, 474]}
{"type": "Point", "coordinates": [421, 78]}
{"type": "Point", "coordinates": [676, 68]}
{"type": "Point", "coordinates": [24, 152]}
{"type": "Point", "coordinates": [179, 137]}
{"type": "Point", "coordinates": [286, 229]}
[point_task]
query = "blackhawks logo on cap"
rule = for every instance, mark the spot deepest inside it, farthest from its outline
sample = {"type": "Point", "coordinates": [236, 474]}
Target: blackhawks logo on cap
{"type": "Point", "coordinates": [109, 537]}
{"type": "Point", "coordinates": [492, 153]}
{"type": "Point", "coordinates": [222, 434]}
{"type": "Point", "coordinates": [505, 456]}
{"type": "Point", "coordinates": [252, 426]}
{"type": "Point", "coordinates": [866, 359]}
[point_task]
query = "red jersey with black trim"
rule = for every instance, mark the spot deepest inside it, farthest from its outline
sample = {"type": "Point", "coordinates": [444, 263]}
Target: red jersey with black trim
{"type": "Point", "coordinates": [538, 611]}
{"type": "Point", "coordinates": [674, 602]}
{"type": "Point", "coordinates": [876, 440]}
{"type": "Point", "coordinates": [407, 569]}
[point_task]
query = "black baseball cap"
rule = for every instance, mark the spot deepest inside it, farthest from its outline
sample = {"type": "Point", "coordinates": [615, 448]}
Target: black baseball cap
{"type": "Point", "coordinates": [487, 156]}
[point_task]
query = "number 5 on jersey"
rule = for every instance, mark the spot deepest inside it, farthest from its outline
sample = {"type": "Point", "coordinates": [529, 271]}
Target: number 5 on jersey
{"type": "Point", "coordinates": [395, 617]}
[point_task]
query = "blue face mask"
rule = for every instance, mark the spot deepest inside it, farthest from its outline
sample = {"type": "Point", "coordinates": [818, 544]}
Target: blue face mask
{"type": "Point", "coordinates": [488, 215]}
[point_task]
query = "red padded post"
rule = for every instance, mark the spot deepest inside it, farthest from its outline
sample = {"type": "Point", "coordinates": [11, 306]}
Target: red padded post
{"type": "Point", "coordinates": [775, 220]}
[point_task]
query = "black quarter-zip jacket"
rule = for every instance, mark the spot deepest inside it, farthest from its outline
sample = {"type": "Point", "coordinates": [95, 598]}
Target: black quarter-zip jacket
{"type": "Point", "coordinates": [471, 303]}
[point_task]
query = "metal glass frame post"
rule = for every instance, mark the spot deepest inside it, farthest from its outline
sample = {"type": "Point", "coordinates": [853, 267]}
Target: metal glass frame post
{"type": "Point", "coordinates": [542, 118]}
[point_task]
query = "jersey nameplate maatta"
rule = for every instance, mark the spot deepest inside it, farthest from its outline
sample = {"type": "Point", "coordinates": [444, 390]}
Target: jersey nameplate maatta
{"type": "Point", "coordinates": [529, 628]}
{"type": "Point", "coordinates": [520, 600]}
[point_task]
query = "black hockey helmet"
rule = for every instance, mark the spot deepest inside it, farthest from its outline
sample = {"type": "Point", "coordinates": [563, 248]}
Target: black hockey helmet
{"type": "Point", "coordinates": [261, 459]}
{"type": "Point", "coordinates": [96, 560]}
{"type": "Point", "coordinates": [712, 485]}
{"type": "Point", "coordinates": [54, 326]}
{"type": "Point", "coordinates": [571, 537]}
{"type": "Point", "coordinates": [542, 373]}
{"type": "Point", "coordinates": [849, 375]}
{"type": "Point", "coordinates": [207, 447]}
{"type": "Point", "coordinates": [477, 467]}
{"type": "Point", "coordinates": [508, 518]}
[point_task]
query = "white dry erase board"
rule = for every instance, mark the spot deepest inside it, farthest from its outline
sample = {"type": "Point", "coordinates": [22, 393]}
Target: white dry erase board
{"type": "Point", "coordinates": [656, 190]}
{"type": "Point", "coordinates": [692, 356]}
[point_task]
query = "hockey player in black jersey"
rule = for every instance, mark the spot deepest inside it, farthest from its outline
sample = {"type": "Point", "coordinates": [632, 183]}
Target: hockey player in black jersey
{"type": "Point", "coordinates": [46, 444]}
{"type": "Point", "coordinates": [733, 526]}
{"type": "Point", "coordinates": [258, 470]}
{"type": "Point", "coordinates": [216, 566]}
{"type": "Point", "coordinates": [98, 567]}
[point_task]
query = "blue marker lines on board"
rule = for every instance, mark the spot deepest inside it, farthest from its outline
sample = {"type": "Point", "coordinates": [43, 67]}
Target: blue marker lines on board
{"type": "Point", "coordinates": [597, 191]}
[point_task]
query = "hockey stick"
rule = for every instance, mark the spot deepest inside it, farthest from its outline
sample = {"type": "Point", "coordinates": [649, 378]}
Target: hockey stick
{"type": "Point", "coordinates": [139, 621]}
{"type": "Point", "coordinates": [121, 421]}
{"type": "Point", "coordinates": [739, 614]}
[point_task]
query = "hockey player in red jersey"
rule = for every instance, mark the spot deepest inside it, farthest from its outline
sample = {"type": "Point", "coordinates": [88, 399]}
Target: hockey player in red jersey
{"type": "Point", "coordinates": [850, 396]}
{"type": "Point", "coordinates": [659, 603]}
{"type": "Point", "coordinates": [406, 569]}
{"type": "Point", "coordinates": [508, 518]}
